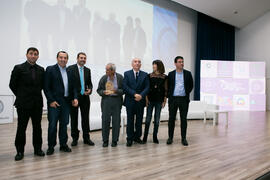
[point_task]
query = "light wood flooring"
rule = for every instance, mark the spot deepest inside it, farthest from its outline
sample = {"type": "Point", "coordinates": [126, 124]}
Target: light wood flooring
{"type": "Point", "coordinates": [241, 151]}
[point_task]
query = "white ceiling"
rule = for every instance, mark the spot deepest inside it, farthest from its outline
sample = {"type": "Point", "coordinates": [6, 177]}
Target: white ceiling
{"type": "Point", "coordinates": [238, 13]}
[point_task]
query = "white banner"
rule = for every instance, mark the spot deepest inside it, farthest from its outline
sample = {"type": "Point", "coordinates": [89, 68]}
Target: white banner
{"type": "Point", "coordinates": [234, 85]}
{"type": "Point", "coordinates": [6, 109]}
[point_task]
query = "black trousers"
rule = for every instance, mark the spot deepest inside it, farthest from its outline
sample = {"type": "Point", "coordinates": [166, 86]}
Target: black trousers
{"type": "Point", "coordinates": [84, 105]}
{"type": "Point", "coordinates": [24, 115]}
{"type": "Point", "coordinates": [182, 104]}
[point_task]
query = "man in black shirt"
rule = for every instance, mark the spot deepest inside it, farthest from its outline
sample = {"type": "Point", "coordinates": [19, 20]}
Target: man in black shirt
{"type": "Point", "coordinates": [26, 83]}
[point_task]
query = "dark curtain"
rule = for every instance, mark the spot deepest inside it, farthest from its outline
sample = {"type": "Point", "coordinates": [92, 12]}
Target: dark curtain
{"type": "Point", "coordinates": [215, 41]}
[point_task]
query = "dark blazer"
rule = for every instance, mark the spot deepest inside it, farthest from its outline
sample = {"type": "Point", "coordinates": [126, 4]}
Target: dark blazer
{"type": "Point", "coordinates": [102, 87]}
{"type": "Point", "coordinates": [188, 83]}
{"type": "Point", "coordinates": [131, 87]}
{"type": "Point", "coordinates": [76, 77]}
{"type": "Point", "coordinates": [54, 86]}
{"type": "Point", "coordinates": [27, 91]}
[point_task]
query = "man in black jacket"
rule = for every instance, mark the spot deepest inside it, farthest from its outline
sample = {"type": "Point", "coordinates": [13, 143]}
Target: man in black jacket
{"type": "Point", "coordinates": [26, 83]}
{"type": "Point", "coordinates": [83, 84]}
{"type": "Point", "coordinates": [180, 84]}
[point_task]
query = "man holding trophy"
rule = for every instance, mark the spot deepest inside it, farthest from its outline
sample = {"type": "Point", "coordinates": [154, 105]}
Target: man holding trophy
{"type": "Point", "coordinates": [110, 89]}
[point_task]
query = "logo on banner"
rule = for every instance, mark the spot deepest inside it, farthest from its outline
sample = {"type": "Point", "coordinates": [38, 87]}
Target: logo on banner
{"type": "Point", "coordinates": [240, 101]}
{"type": "Point", "coordinates": [1, 106]}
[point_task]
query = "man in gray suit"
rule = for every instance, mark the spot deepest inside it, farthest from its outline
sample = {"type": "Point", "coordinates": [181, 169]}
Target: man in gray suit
{"type": "Point", "coordinates": [111, 91]}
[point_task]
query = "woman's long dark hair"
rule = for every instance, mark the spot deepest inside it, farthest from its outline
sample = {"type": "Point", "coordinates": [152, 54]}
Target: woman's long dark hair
{"type": "Point", "coordinates": [160, 66]}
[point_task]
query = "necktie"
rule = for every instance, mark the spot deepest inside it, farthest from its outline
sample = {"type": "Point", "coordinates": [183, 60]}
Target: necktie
{"type": "Point", "coordinates": [137, 74]}
{"type": "Point", "coordinates": [33, 72]}
{"type": "Point", "coordinates": [82, 80]}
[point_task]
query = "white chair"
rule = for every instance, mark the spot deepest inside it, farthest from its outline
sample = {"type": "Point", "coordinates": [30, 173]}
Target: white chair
{"type": "Point", "coordinates": [196, 110]}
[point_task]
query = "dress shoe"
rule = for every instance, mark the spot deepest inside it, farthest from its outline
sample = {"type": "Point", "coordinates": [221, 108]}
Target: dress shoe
{"type": "Point", "coordinates": [74, 143]}
{"type": "Point", "coordinates": [89, 142]}
{"type": "Point", "coordinates": [39, 152]}
{"type": "Point", "coordinates": [105, 144]}
{"type": "Point", "coordinates": [65, 148]}
{"type": "Point", "coordinates": [169, 141]}
{"type": "Point", "coordinates": [114, 143]}
{"type": "Point", "coordinates": [50, 151]}
{"type": "Point", "coordinates": [129, 143]}
{"type": "Point", "coordinates": [155, 140]}
{"type": "Point", "coordinates": [19, 156]}
{"type": "Point", "coordinates": [144, 140]}
{"type": "Point", "coordinates": [184, 142]}
{"type": "Point", "coordinates": [139, 141]}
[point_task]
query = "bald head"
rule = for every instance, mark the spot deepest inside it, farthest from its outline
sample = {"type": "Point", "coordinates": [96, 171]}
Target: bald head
{"type": "Point", "coordinates": [136, 64]}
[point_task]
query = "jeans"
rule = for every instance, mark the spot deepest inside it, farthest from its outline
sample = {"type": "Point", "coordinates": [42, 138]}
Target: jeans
{"type": "Point", "coordinates": [60, 114]}
{"type": "Point", "coordinates": [150, 107]}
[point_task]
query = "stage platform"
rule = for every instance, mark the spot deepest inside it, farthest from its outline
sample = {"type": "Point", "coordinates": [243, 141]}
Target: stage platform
{"type": "Point", "coordinates": [239, 151]}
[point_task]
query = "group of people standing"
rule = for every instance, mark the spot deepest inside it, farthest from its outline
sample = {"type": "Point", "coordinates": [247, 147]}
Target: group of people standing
{"type": "Point", "coordinates": [68, 88]}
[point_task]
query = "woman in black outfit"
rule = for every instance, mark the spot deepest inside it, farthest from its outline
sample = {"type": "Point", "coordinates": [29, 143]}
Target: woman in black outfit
{"type": "Point", "coordinates": [156, 98]}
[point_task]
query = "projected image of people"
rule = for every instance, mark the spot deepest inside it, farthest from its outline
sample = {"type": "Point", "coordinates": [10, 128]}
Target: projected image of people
{"type": "Point", "coordinates": [38, 34]}
{"type": "Point", "coordinates": [128, 38]}
{"type": "Point", "coordinates": [108, 31]}
{"type": "Point", "coordinates": [139, 40]}
{"type": "Point", "coordinates": [82, 17]}
{"type": "Point", "coordinates": [113, 39]}
{"type": "Point", "coordinates": [105, 33]}
{"type": "Point", "coordinates": [99, 38]}
{"type": "Point", "coordinates": [63, 21]}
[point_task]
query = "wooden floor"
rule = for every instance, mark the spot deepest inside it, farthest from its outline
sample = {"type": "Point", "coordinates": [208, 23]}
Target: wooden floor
{"type": "Point", "coordinates": [241, 151]}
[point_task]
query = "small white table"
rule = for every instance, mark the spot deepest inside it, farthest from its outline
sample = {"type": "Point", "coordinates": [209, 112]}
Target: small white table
{"type": "Point", "coordinates": [215, 113]}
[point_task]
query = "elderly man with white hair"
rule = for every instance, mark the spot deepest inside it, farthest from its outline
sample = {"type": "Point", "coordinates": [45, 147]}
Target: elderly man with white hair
{"type": "Point", "coordinates": [110, 89]}
{"type": "Point", "coordinates": [136, 87]}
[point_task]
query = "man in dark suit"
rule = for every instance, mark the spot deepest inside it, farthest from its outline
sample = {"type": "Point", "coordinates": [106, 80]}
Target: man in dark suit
{"type": "Point", "coordinates": [111, 91]}
{"type": "Point", "coordinates": [136, 87]}
{"type": "Point", "coordinates": [82, 82]}
{"type": "Point", "coordinates": [180, 84]}
{"type": "Point", "coordinates": [60, 92]}
{"type": "Point", "coordinates": [26, 83]}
